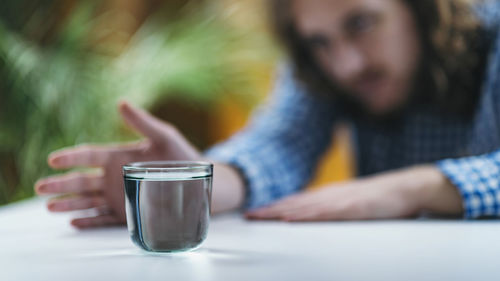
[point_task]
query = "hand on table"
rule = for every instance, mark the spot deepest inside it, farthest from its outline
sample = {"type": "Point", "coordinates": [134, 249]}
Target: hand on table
{"type": "Point", "coordinates": [398, 194]}
{"type": "Point", "coordinates": [104, 191]}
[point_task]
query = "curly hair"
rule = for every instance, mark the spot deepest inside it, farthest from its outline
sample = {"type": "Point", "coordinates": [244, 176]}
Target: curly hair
{"type": "Point", "coordinates": [450, 74]}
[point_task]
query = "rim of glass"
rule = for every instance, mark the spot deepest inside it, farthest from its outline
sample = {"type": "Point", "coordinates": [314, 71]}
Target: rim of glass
{"type": "Point", "coordinates": [175, 166]}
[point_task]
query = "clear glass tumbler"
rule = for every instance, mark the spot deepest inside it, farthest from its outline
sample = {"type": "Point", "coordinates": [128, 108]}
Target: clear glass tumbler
{"type": "Point", "coordinates": [168, 204]}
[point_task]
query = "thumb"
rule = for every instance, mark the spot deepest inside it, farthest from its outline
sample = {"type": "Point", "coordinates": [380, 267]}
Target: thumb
{"type": "Point", "coordinates": [141, 121]}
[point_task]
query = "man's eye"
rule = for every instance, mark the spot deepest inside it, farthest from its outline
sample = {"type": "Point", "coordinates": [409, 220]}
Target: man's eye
{"type": "Point", "coordinates": [361, 24]}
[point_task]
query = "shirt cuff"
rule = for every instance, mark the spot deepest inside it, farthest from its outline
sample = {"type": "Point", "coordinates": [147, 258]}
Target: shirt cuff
{"type": "Point", "coordinates": [477, 180]}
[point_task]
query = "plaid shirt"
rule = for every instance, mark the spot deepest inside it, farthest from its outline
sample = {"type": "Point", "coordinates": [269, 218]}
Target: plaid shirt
{"type": "Point", "coordinates": [278, 151]}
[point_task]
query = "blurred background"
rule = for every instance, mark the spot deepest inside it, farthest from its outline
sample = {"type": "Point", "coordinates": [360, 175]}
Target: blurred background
{"type": "Point", "coordinates": [64, 64]}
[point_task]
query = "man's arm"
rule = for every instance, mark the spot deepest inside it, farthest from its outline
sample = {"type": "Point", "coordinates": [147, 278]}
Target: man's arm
{"type": "Point", "coordinates": [394, 194]}
{"type": "Point", "coordinates": [228, 192]}
{"type": "Point", "coordinates": [277, 152]}
{"type": "Point", "coordinates": [468, 187]}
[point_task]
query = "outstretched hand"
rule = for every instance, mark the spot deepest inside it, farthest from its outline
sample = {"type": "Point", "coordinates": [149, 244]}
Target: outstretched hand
{"type": "Point", "coordinates": [103, 191]}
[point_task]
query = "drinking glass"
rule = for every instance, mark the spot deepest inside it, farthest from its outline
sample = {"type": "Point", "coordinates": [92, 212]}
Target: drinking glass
{"type": "Point", "coordinates": [168, 204]}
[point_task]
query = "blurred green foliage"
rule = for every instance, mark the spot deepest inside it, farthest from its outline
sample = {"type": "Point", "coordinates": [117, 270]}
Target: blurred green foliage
{"type": "Point", "coordinates": [59, 84]}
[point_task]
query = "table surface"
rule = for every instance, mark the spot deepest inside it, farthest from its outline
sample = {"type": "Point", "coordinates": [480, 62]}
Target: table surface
{"type": "Point", "coordinates": [36, 245]}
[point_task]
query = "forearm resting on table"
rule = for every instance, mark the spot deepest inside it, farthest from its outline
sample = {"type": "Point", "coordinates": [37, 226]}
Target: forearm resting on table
{"type": "Point", "coordinates": [432, 190]}
{"type": "Point", "coordinates": [440, 195]}
{"type": "Point", "coordinates": [425, 186]}
{"type": "Point", "coordinates": [228, 191]}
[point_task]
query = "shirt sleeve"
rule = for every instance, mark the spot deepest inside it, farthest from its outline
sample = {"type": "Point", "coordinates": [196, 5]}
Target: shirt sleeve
{"type": "Point", "coordinates": [278, 150]}
{"type": "Point", "coordinates": [478, 177]}
{"type": "Point", "coordinates": [478, 181]}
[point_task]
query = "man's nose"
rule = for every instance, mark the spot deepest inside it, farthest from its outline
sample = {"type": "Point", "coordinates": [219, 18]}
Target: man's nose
{"type": "Point", "coordinates": [347, 62]}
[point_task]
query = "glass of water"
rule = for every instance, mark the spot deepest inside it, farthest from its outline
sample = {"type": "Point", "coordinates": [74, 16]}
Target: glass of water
{"type": "Point", "coordinates": [168, 204]}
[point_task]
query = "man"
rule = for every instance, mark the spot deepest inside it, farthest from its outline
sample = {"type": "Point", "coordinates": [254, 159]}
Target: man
{"type": "Point", "coordinates": [418, 81]}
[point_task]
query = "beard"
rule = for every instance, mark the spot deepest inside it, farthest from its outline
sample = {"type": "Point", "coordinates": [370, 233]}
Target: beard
{"type": "Point", "coordinates": [355, 108]}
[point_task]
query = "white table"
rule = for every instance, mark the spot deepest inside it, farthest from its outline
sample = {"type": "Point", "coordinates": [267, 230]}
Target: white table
{"type": "Point", "coordinates": [36, 245]}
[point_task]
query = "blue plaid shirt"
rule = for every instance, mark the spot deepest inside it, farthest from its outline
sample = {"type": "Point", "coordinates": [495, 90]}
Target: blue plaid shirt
{"type": "Point", "coordinates": [278, 151]}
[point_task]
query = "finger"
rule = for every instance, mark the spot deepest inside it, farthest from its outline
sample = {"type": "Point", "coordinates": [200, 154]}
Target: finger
{"type": "Point", "coordinates": [97, 221]}
{"type": "Point", "coordinates": [142, 121]}
{"type": "Point", "coordinates": [80, 156]}
{"type": "Point", "coordinates": [103, 210]}
{"type": "Point", "coordinates": [256, 213]}
{"type": "Point", "coordinates": [91, 155]}
{"type": "Point", "coordinates": [75, 182]}
{"type": "Point", "coordinates": [323, 212]}
{"type": "Point", "coordinates": [271, 212]}
{"type": "Point", "coordinates": [78, 203]}
{"type": "Point", "coordinates": [258, 217]}
{"type": "Point", "coordinates": [279, 208]}
{"type": "Point", "coordinates": [303, 215]}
